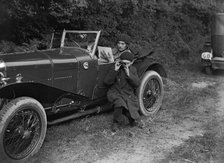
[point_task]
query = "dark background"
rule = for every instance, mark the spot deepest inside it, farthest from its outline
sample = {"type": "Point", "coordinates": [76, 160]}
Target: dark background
{"type": "Point", "coordinates": [175, 28]}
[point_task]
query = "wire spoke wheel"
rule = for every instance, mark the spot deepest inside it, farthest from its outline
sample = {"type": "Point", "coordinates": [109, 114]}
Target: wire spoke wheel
{"type": "Point", "coordinates": [22, 134]}
{"type": "Point", "coordinates": [150, 93]}
{"type": "Point", "coordinates": [22, 129]}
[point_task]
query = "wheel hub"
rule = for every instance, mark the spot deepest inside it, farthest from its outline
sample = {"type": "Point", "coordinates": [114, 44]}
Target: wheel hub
{"type": "Point", "coordinates": [20, 130]}
{"type": "Point", "coordinates": [151, 95]}
{"type": "Point", "coordinates": [23, 132]}
{"type": "Point", "coordinates": [26, 134]}
{"type": "Point", "coordinates": [149, 92]}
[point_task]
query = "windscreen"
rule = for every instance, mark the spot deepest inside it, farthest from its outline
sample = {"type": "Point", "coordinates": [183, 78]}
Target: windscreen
{"type": "Point", "coordinates": [56, 40]}
{"type": "Point", "coordinates": [80, 40]}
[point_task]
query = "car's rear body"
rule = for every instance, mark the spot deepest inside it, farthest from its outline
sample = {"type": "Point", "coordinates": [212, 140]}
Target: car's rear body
{"type": "Point", "coordinates": [213, 52]}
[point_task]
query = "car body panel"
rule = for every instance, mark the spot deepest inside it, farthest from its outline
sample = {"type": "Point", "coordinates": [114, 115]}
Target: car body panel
{"type": "Point", "coordinates": [86, 71]}
{"type": "Point", "coordinates": [148, 62]}
{"type": "Point", "coordinates": [28, 64]}
{"type": "Point", "coordinates": [87, 76]}
{"type": "Point", "coordinates": [217, 63]}
{"type": "Point", "coordinates": [100, 89]}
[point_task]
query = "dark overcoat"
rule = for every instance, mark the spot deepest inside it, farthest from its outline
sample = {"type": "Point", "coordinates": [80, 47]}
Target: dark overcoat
{"type": "Point", "coordinates": [122, 89]}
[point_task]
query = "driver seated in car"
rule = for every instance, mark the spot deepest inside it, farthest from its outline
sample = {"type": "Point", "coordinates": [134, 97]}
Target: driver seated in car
{"type": "Point", "coordinates": [123, 80]}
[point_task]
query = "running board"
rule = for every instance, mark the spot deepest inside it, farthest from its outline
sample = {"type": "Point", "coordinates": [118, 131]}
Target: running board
{"type": "Point", "coordinates": [97, 109]}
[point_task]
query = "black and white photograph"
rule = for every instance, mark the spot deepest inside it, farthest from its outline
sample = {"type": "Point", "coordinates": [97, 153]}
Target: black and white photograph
{"type": "Point", "coordinates": [111, 81]}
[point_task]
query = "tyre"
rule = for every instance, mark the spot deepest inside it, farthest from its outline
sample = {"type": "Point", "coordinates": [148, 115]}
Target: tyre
{"type": "Point", "coordinates": [3, 102]}
{"type": "Point", "coordinates": [150, 93]}
{"type": "Point", "coordinates": [208, 70]}
{"type": "Point", "coordinates": [23, 126]}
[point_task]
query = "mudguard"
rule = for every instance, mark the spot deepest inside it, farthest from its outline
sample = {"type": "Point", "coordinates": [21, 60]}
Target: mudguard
{"type": "Point", "coordinates": [147, 62]}
{"type": "Point", "coordinates": [42, 93]}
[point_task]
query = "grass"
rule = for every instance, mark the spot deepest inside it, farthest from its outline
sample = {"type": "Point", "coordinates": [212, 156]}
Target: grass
{"type": "Point", "coordinates": [90, 139]}
{"type": "Point", "coordinates": [195, 149]}
{"type": "Point", "coordinates": [188, 104]}
{"type": "Point", "coordinates": [205, 148]}
{"type": "Point", "coordinates": [181, 99]}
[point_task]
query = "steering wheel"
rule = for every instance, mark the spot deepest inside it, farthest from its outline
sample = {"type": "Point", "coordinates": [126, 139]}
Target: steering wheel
{"type": "Point", "coordinates": [72, 41]}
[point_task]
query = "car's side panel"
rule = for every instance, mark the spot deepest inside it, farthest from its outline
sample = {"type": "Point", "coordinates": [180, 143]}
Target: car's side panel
{"type": "Point", "coordinates": [85, 72]}
{"type": "Point", "coordinates": [65, 69]}
{"type": "Point", "coordinates": [32, 67]}
{"type": "Point", "coordinates": [43, 93]}
{"type": "Point", "coordinates": [217, 63]}
{"type": "Point", "coordinates": [87, 75]}
{"type": "Point", "coordinates": [100, 89]}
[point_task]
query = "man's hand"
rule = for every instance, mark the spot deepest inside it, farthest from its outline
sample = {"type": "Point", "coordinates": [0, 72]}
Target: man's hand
{"type": "Point", "coordinates": [126, 68]}
{"type": "Point", "coordinates": [117, 66]}
{"type": "Point", "coordinates": [126, 64]}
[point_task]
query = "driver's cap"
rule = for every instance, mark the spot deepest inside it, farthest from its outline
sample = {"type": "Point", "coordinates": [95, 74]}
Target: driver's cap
{"type": "Point", "coordinates": [127, 56]}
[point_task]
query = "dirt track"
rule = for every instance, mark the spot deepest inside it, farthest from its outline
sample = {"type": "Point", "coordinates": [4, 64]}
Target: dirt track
{"type": "Point", "coordinates": [193, 108]}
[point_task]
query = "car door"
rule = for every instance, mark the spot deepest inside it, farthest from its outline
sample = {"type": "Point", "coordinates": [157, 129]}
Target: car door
{"type": "Point", "coordinates": [65, 68]}
{"type": "Point", "coordinates": [87, 75]}
{"type": "Point", "coordinates": [101, 89]}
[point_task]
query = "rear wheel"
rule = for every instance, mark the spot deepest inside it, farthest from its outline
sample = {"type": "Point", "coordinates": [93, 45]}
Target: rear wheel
{"type": "Point", "coordinates": [150, 93]}
{"type": "Point", "coordinates": [208, 70]}
{"type": "Point", "coordinates": [23, 125]}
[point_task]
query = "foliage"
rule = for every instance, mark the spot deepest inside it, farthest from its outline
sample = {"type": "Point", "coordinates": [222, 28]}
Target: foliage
{"type": "Point", "coordinates": [177, 26]}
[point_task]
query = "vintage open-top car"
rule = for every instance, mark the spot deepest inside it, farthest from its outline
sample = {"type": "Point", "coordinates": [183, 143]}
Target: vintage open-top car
{"type": "Point", "coordinates": [46, 87]}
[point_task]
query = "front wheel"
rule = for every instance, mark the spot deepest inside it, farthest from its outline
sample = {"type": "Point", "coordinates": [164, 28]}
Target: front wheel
{"type": "Point", "coordinates": [23, 125]}
{"type": "Point", "coordinates": [150, 93]}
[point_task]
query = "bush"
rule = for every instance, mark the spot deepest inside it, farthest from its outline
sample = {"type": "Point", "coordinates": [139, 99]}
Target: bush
{"type": "Point", "coordinates": [176, 27]}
